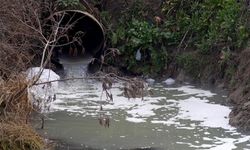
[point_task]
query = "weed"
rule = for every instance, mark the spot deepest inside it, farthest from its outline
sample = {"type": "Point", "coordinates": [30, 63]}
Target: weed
{"type": "Point", "coordinates": [212, 25]}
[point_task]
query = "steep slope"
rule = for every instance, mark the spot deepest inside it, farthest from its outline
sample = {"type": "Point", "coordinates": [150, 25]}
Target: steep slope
{"type": "Point", "coordinates": [240, 94]}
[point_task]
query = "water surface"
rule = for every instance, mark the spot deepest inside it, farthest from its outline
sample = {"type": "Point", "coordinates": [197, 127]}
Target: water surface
{"type": "Point", "coordinates": [182, 117]}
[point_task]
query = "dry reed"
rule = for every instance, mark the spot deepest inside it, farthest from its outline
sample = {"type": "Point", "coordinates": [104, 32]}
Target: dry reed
{"type": "Point", "coordinates": [16, 136]}
{"type": "Point", "coordinates": [14, 102]}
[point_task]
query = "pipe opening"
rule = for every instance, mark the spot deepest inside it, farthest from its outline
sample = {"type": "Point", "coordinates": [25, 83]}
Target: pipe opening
{"type": "Point", "coordinates": [84, 39]}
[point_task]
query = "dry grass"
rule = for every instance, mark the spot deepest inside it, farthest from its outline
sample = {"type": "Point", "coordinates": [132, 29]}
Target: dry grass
{"type": "Point", "coordinates": [19, 137]}
{"type": "Point", "coordinates": [19, 45]}
{"type": "Point", "coordinates": [14, 102]}
{"type": "Point", "coordinates": [15, 108]}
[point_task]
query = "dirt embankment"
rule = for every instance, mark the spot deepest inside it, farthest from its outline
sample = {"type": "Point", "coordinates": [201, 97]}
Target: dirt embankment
{"type": "Point", "coordinates": [240, 93]}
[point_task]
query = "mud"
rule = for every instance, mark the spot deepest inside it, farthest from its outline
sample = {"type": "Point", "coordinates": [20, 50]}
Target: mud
{"type": "Point", "coordinates": [240, 93]}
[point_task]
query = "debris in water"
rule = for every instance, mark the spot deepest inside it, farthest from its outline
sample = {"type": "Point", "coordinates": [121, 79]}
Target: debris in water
{"type": "Point", "coordinates": [138, 55]}
{"type": "Point", "coordinates": [169, 81]}
{"type": "Point", "coordinates": [150, 81]}
{"type": "Point", "coordinates": [104, 120]}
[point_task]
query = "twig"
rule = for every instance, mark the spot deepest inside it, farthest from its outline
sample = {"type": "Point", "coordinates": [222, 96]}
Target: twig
{"type": "Point", "coordinates": [93, 77]}
{"type": "Point", "coordinates": [184, 37]}
{"type": "Point", "coordinates": [87, 6]}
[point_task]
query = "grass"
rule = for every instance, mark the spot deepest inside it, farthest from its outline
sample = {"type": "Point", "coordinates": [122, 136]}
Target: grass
{"type": "Point", "coordinates": [15, 108]}
{"type": "Point", "coordinates": [14, 100]}
{"type": "Point", "coordinates": [15, 136]}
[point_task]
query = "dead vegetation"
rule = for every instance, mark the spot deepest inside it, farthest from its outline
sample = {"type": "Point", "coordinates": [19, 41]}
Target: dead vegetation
{"type": "Point", "coordinates": [14, 101]}
{"type": "Point", "coordinates": [29, 32]}
{"type": "Point", "coordinates": [16, 136]}
{"type": "Point", "coordinates": [15, 109]}
{"type": "Point", "coordinates": [24, 42]}
{"type": "Point", "coordinates": [16, 40]}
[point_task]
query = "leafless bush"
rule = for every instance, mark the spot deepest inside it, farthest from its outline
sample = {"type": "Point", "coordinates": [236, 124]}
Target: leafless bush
{"type": "Point", "coordinates": [133, 87]}
{"type": "Point", "coordinates": [16, 40]}
{"type": "Point", "coordinates": [21, 40]}
{"type": "Point", "coordinates": [29, 32]}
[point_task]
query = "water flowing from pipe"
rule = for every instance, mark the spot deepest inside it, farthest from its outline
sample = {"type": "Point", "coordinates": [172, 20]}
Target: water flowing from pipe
{"type": "Point", "coordinates": [75, 67]}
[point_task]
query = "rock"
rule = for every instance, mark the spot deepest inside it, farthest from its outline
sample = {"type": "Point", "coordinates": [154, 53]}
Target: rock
{"type": "Point", "coordinates": [150, 81]}
{"type": "Point", "coordinates": [169, 81]}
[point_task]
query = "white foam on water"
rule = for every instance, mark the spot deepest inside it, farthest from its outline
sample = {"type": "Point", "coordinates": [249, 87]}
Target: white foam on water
{"type": "Point", "coordinates": [196, 107]}
{"type": "Point", "coordinates": [169, 81]}
{"type": "Point", "coordinates": [75, 67]}
{"type": "Point", "coordinates": [135, 120]}
{"type": "Point", "coordinates": [191, 90]}
{"type": "Point", "coordinates": [146, 110]}
{"type": "Point", "coordinates": [76, 70]}
{"type": "Point", "coordinates": [160, 122]}
{"type": "Point", "coordinates": [211, 115]}
{"type": "Point", "coordinates": [41, 95]}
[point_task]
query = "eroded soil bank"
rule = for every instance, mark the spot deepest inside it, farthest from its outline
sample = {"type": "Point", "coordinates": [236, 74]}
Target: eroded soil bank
{"type": "Point", "coordinates": [240, 93]}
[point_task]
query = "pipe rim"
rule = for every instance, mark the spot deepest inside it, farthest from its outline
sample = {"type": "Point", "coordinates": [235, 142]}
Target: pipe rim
{"type": "Point", "coordinates": [102, 44]}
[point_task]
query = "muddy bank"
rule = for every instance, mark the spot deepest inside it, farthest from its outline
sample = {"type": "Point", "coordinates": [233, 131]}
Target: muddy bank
{"type": "Point", "coordinates": [237, 85]}
{"type": "Point", "coordinates": [240, 93]}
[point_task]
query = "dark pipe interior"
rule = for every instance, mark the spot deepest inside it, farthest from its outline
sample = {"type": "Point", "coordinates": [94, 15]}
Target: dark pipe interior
{"type": "Point", "coordinates": [84, 39]}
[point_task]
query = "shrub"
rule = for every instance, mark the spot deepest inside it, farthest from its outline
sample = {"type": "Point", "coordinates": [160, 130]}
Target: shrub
{"type": "Point", "coordinates": [211, 25]}
{"type": "Point", "coordinates": [208, 27]}
{"type": "Point", "coordinates": [146, 38]}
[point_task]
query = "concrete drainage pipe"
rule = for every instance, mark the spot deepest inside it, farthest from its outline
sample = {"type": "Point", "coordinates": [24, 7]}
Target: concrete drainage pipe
{"type": "Point", "coordinates": [84, 39]}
